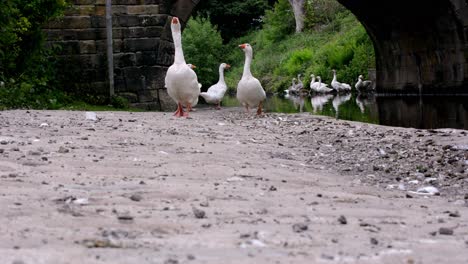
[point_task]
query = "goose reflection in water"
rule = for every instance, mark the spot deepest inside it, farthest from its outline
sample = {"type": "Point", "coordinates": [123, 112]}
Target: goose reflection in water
{"type": "Point", "coordinates": [363, 100]}
{"type": "Point", "coordinates": [297, 100]}
{"type": "Point", "coordinates": [318, 101]}
{"type": "Point", "coordinates": [339, 100]}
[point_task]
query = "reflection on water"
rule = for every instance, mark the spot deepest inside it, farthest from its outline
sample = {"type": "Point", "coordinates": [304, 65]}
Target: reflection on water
{"type": "Point", "coordinates": [410, 111]}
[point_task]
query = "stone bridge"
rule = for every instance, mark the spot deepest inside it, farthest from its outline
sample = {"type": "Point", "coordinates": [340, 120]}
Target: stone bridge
{"type": "Point", "coordinates": [421, 46]}
{"type": "Point", "coordinates": [142, 44]}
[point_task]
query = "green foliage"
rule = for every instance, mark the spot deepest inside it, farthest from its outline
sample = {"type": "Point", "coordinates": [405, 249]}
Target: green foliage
{"type": "Point", "coordinates": [27, 66]}
{"type": "Point", "coordinates": [234, 18]}
{"type": "Point", "coordinates": [278, 23]}
{"type": "Point", "coordinates": [203, 48]}
{"type": "Point", "coordinates": [298, 61]}
{"type": "Point", "coordinates": [119, 102]}
{"type": "Point", "coordinates": [333, 39]}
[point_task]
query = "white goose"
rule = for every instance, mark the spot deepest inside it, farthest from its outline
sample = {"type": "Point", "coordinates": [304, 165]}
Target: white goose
{"type": "Point", "coordinates": [250, 92]}
{"type": "Point", "coordinates": [322, 87]}
{"type": "Point", "coordinates": [363, 86]}
{"type": "Point", "coordinates": [215, 93]}
{"type": "Point", "coordinates": [291, 88]}
{"type": "Point", "coordinates": [339, 87]}
{"type": "Point", "coordinates": [181, 81]}
{"type": "Point", "coordinates": [194, 102]}
{"type": "Point", "coordinates": [300, 84]}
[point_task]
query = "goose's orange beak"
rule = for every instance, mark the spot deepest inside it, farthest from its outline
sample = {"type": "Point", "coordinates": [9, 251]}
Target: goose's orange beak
{"type": "Point", "coordinates": [194, 67]}
{"type": "Point", "coordinates": [228, 66]}
{"type": "Point", "coordinates": [175, 20]}
{"type": "Point", "coordinates": [242, 46]}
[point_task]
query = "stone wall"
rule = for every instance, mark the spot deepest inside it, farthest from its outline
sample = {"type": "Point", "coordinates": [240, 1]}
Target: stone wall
{"type": "Point", "coordinates": [142, 51]}
{"type": "Point", "coordinates": [420, 47]}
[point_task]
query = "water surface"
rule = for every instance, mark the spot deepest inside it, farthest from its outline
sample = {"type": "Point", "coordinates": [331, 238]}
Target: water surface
{"type": "Point", "coordinates": [425, 112]}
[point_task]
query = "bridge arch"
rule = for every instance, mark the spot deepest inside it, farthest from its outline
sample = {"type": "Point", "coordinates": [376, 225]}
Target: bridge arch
{"type": "Point", "coordinates": [420, 46]}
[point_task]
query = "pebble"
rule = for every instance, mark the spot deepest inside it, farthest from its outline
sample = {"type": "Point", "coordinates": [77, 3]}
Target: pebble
{"type": "Point", "coordinates": [136, 197]}
{"type": "Point", "coordinates": [63, 150]}
{"type": "Point", "coordinates": [300, 227]}
{"type": "Point", "coordinates": [342, 220]}
{"type": "Point", "coordinates": [446, 231]}
{"type": "Point", "coordinates": [374, 241]}
{"type": "Point", "coordinates": [198, 213]}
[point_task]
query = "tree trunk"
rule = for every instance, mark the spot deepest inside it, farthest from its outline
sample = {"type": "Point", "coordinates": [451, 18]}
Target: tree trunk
{"type": "Point", "coordinates": [299, 13]}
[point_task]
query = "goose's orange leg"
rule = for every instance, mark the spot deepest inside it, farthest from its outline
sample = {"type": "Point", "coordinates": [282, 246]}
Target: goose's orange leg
{"type": "Point", "coordinates": [259, 110]}
{"type": "Point", "coordinates": [180, 111]}
{"type": "Point", "coordinates": [218, 106]}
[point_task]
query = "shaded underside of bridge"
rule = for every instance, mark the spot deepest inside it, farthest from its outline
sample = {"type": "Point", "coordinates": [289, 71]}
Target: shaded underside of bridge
{"type": "Point", "coordinates": [421, 46]}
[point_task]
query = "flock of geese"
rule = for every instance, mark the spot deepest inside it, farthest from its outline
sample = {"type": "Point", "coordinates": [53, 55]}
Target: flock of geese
{"type": "Point", "coordinates": [318, 87]}
{"type": "Point", "coordinates": [183, 86]}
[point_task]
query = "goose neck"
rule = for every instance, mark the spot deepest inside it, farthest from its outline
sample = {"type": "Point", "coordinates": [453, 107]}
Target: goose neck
{"type": "Point", "coordinates": [179, 53]}
{"type": "Point", "coordinates": [221, 75]}
{"type": "Point", "coordinates": [248, 61]}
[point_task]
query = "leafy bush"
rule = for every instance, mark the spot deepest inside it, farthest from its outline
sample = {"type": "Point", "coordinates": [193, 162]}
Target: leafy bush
{"type": "Point", "coordinates": [278, 23]}
{"type": "Point", "coordinates": [298, 61]}
{"type": "Point", "coordinates": [119, 102]}
{"type": "Point", "coordinates": [203, 47]}
{"type": "Point", "coordinates": [27, 67]}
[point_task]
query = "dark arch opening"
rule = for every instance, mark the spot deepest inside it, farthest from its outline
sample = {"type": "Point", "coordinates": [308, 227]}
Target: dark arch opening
{"type": "Point", "coordinates": [419, 45]}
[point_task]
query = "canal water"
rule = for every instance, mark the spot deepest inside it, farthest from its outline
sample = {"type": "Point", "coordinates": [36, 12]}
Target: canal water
{"type": "Point", "coordinates": [424, 112]}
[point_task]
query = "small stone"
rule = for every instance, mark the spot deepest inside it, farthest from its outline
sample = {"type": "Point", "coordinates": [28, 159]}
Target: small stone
{"type": "Point", "coordinates": [374, 241]}
{"type": "Point", "coordinates": [190, 257]}
{"type": "Point", "coordinates": [454, 214]}
{"type": "Point", "coordinates": [171, 261]}
{"type": "Point", "coordinates": [299, 227]}
{"type": "Point", "coordinates": [273, 188]}
{"type": "Point", "coordinates": [342, 220]}
{"type": "Point", "coordinates": [63, 150]}
{"type": "Point", "coordinates": [204, 204]}
{"type": "Point", "coordinates": [199, 213]}
{"type": "Point", "coordinates": [136, 197]}
{"type": "Point", "coordinates": [446, 231]}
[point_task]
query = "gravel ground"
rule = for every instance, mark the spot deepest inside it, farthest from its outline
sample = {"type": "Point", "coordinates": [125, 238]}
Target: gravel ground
{"type": "Point", "coordinates": [224, 186]}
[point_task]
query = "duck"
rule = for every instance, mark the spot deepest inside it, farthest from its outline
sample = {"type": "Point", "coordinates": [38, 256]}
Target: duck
{"type": "Point", "coordinates": [216, 92]}
{"type": "Point", "coordinates": [339, 87]}
{"type": "Point", "coordinates": [181, 81]}
{"type": "Point", "coordinates": [363, 86]}
{"type": "Point", "coordinates": [250, 92]}
{"type": "Point", "coordinates": [322, 87]}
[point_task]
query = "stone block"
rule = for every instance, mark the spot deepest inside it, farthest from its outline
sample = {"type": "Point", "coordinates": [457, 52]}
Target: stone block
{"type": "Point", "coordinates": [141, 44]}
{"type": "Point", "coordinates": [80, 10]}
{"type": "Point", "coordinates": [83, 2]}
{"type": "Point", "coordinates": [147, 96]}
{"type": "Point", "coordinates": [98, 21]}
{"type": "Point", "coordinates": [166, 102]}
{"type": "Point", "coordinates": [127, 21]}
{"type": "Point", "coordinates": [149, 106]}
{"type": "Point", "coordinates": [87, 46]}
{"type": "Point", "coordinates": [123, 60]}
{"type": "Point", "coordinates": [75, 22]}
{"type": "Point", "coordinates": [131, 97]}
{"type": "Point", "coordinates": [141, 32]}
{"type": "Point", "coordinates": [153, 20]}
{"type": "Point", "coordinates": [165, 53]}
{"type": "Point", "coordinates": [143, 9]}
{"type": "Point", "coordinates": [146, 58]}
{"type": "Point", "coordinates": [117, 45]}
{"type": "Point", "coordinates": [154, 76]}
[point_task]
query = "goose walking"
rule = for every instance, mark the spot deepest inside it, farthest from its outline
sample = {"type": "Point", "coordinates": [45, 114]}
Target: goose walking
{"type": "Point", "coordinates": [339, 87]}
{"type": "Point", "coordinates": [363, 86]}
{"type": "Point", "coordinates": [250, 92]}
{"type": "Point", "coordinates": [181, 81]}
{"type": "Point", "coordinates": [216, 92]}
